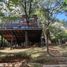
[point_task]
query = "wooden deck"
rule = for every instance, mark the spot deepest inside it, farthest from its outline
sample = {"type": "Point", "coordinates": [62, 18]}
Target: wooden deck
{"type": "Point", "coordinates": [19, 35]}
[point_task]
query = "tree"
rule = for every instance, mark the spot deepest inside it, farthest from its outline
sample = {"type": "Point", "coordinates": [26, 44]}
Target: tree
{"type": "Point", "coordinates": [57, 30]}
{"type": "Point", "coordinates": [65, 7]}
{"type": "Point", "coordinates": [49, 10]}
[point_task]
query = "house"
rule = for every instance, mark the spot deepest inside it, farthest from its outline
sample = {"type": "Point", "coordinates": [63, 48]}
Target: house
{"type": "Point", "coordinates": [14, 32]}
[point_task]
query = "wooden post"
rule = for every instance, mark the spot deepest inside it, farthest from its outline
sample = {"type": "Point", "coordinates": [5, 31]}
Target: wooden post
{"type": "Point", "coordinates": [26, 38]}
{"type": "Point", "coordinates": [11, 42]}
{"type": "Point", "coordinates": [1, 40]}
{"type": "Point", "coordinates": [59, 41]}
{"type": "Point", "coordinates": [42, 41]}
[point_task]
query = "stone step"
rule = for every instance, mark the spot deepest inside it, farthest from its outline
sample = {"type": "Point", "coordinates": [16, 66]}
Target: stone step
{"type": "Point", "coordinates": [59, 65]}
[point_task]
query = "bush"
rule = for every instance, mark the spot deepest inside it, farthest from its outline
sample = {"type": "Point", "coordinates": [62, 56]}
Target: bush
{"type": "Point", "coordinates": [4, 44]}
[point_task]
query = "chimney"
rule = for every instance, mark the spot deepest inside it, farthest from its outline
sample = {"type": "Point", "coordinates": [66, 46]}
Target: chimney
{"type": "Point", "coordinates": [23, 16]}
{"type": "Point", "coordinates": [35, 17]}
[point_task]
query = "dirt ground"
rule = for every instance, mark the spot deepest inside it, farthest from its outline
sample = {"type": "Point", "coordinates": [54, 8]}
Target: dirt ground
{"type": "Point", "coordinates": [38, 54]}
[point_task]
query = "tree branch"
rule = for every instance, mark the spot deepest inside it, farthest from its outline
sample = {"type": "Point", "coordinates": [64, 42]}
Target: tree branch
{"type": "Point", "coordinates": [30, 7]}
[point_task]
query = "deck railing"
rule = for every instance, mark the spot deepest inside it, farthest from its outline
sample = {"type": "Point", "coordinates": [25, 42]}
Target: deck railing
{"type": "Point", "coordinates": [21, 25]}
{"type": "Point", "coordinates": [21, 28]}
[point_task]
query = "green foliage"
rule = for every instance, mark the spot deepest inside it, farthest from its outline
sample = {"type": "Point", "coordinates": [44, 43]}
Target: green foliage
{"type": "Point", "coordinates": [57, 32]}
{"type": "Point", "coordinates": [1, 14]}
{"type": "Point", "coordinates": [11, 18]}
{"type": "Point", "coordinates": [14, 1]}
{"type": "Point", "coordinates": [65, 6]}
{"type": "Point", "coordinates": [3, 43]}
{"type": "Point", "coordinates": [1, 0]}
{"type": "Point", "coordinates": [66, 1]}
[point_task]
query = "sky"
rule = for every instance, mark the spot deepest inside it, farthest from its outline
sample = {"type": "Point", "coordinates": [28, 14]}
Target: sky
{"type": "Point", "coordinates": [61, 17]}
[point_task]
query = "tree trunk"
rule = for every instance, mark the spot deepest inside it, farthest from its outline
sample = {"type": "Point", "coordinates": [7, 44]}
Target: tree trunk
{"type": "Point", "coordinates": [47, 40]}
{"type": "Point", "coordinates": [59, 41]}
{"type": "Point", "coordinates": [47, 44]}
